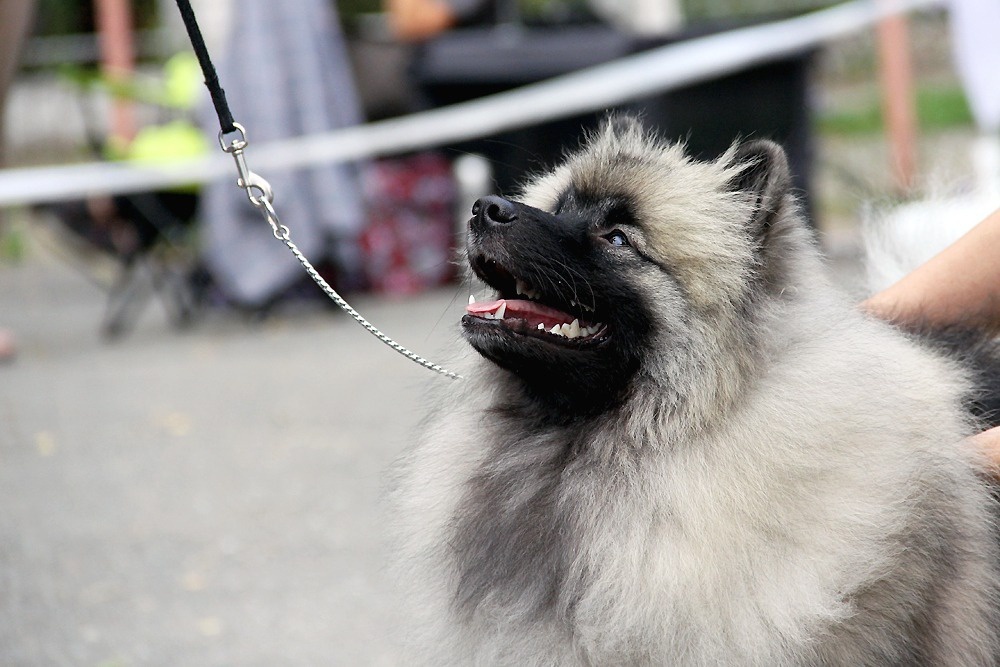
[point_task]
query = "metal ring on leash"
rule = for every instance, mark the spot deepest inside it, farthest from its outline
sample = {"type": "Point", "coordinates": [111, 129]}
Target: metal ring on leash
{"type": "Point", "coordinates": [261, 196]}
{"type": "Point", "coordinates": [259, 191]}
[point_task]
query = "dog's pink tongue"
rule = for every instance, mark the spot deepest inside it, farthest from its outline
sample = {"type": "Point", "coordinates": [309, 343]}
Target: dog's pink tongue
{"type": "Point", "coordinates": [535, 313]}
{"type": "Point", "coordinates": [481, 307]}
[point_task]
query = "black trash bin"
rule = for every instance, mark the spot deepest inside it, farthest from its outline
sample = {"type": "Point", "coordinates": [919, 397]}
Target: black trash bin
{"type": "Point", "coordinates": [763, 100]}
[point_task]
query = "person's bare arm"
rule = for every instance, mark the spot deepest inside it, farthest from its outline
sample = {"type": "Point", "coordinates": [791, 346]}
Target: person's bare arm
{"type": "Point", "coordinates": [417, 20]}
{"type": "Point", "coordinates": [959, 285]}
{"type": "Point", "coordinates": [988, 442]}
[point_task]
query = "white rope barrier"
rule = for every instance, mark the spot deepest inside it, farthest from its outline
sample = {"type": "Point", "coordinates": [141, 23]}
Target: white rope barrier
{"type": "Point", "coordinates": [595, 88]}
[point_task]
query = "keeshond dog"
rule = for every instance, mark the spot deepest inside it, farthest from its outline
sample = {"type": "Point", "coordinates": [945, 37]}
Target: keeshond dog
{"type": "Point", "coordinates": [677, 442]}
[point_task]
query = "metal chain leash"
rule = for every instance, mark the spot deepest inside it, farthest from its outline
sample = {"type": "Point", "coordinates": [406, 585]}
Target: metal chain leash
{"type": "Point", "coordinates": [262, 197]}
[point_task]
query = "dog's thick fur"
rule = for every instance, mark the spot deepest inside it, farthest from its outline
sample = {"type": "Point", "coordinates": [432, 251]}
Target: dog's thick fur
{"type": "Point", "coordinates": [739, 468]}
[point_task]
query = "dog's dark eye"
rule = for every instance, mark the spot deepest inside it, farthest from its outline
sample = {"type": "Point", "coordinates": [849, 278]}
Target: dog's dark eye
{"type": "Point", "coordinates": [617, 237]}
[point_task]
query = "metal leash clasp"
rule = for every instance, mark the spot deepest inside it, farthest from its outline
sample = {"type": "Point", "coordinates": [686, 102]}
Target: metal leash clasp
{"type": "Point", "coordinates": [262, 197]}
{"type": "Point", "coordinates": [258, 190]}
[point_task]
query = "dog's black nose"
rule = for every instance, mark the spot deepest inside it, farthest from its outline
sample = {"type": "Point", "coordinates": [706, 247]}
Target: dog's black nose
{"type": "Point", "coordinates": [494, 210]}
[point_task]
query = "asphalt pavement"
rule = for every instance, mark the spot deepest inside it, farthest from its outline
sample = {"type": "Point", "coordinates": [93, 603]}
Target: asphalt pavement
{"type": "Point", "coordinates": [200, 497]}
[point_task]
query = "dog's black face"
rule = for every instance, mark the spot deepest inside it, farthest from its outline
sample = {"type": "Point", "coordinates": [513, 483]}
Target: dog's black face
{"type": "Point", "coordinates": [565, 322]}
{"type": "Point", "coordinates": [631, 263]}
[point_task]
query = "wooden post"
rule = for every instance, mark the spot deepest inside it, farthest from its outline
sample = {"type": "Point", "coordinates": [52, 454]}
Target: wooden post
{"type": "Point", "coordinates": [114, 27]}
{"type": "Point", "coordinates": [898, 105]}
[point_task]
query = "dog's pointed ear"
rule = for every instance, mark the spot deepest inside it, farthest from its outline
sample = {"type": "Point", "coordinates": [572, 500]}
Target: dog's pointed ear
{"type": "Point", "coordinates": [763, 175]}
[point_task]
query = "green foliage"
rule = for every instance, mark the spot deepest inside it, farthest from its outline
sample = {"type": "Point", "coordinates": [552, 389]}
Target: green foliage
{"type": "Point", "coordinates": [716, 10]}
{"type": "Point", "coordinates": [942, 108]}
{"type": "Point", "coordinates": [937, 108]}
{"type": "Point", "coordinates": [12, 243]}
{"type": "Point", "coordinates": [862, 120]}
{"type": "Point", "coordinates": [66, 17]}
{"type": "Point", "coordinates": [348, 9]}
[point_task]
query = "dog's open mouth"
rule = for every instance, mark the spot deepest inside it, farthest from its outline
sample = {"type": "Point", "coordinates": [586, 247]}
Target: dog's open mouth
{"type": "Point", "coordinates": [524, 309]}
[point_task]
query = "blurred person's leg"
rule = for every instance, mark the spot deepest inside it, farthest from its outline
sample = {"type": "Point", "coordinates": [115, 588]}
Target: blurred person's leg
{"type": "Point", "coordinates": [15, 23]}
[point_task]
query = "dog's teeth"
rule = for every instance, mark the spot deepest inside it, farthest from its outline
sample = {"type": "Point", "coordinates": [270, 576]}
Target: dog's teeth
{"type": "Point", "coordinates": [501, 310]}
{"type": "Point", "coordinates": [523, 289]}
{"type": "Point", "coordinates": [571, 330]}
{"type": "Point", "coordinates": [472, 299]}
{"type": "Point", "coordinates": [572, 303]}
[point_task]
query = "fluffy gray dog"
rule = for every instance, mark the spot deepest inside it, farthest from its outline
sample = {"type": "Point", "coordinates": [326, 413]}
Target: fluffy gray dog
{"type": "Point", "coordinates": [678, 444]}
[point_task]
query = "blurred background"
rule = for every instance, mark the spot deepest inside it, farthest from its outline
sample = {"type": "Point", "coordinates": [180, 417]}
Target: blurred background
{"type": "Point", "coordinates": [193, 440]}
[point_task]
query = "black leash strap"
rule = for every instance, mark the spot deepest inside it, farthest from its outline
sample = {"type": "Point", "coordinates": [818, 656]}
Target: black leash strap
{"type": "Point", "coordinates": [259, 190]}
{"type": "Point", "coordinates": [208, 69]}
